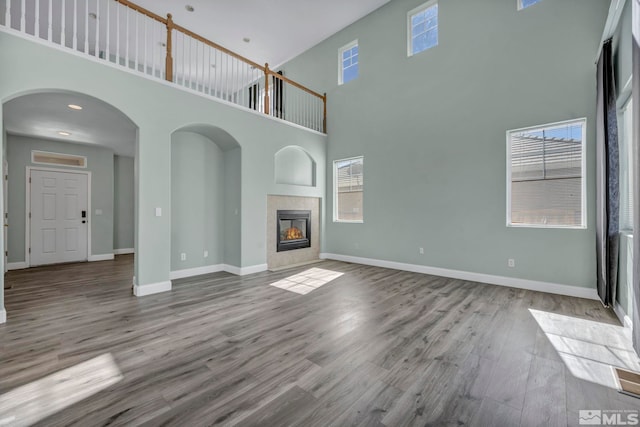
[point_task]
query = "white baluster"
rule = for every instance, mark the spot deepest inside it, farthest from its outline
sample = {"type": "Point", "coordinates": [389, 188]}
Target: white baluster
{"type": "Point", "coordinates": [63, 28]}
{"type": "Point", "coordinates": [126, 38]}
{"type": "Point", "coordinates": [97, 41]}
{"type": "Point", "coordinates": [118, 34]}
{"type": "Point", "coordinates": [136, 41]}
{"type": "Point", "coordinates": [7, 14]}
{"type": "Point", "coordinates": [36, 29]}
{"type": "Point", "coordinates": [107, 45]}
{"type": "Point", "coordinates": [86, 26]}
{"type": "Point", "coordinates": [23, 13]}
{"type": "Point", "coordinates": [144, 40]}
{"type": "Point", "coordinates": [75, 24]}
{"type": "Point", "coordinates": [50, 23]}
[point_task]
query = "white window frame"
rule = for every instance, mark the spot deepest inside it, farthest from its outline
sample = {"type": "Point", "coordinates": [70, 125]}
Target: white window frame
{"type": "Point", "coordinates": [623, 117]}
{"type": "Point", "coordinates": [343, 49]}
{"type": "Point", "coordinates": [410, 14]}
{"type": "Point", "coordinates": [521, 6]}
{"type": "Point", "coordinates": [583, 208]}
{"type": "Point", "coordinates": [335, 191]}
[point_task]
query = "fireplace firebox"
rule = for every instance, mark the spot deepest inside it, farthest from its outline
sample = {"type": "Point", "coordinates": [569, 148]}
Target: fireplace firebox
{"type": "Point", "coordinates": [294, 230]}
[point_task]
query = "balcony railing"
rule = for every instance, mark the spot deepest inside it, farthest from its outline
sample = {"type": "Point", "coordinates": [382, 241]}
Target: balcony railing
{"type": "Point", "coordinates": [125, 34]}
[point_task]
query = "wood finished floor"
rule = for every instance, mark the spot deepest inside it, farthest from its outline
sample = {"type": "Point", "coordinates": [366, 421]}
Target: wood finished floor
{"type": "Point", "coordinates": [374, 347]}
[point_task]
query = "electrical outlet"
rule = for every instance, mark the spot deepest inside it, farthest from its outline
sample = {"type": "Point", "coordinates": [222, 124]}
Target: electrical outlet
{"type": "Point", "coordinates": [421, 251]}
{"type": "Point", "coordinates": [511, 262]}
{"type": "Point", "coordinates": [183, 256]}
{"type": "Point", "coordinates": [206, 254]}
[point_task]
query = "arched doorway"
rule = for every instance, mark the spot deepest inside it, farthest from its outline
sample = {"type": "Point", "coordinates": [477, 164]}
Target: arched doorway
{"type": "Point", "coordinates": [70, 193]}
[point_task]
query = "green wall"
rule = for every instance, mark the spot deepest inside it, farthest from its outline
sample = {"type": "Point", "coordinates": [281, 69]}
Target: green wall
{"type": "Point", "coordinates": [233, 207]}
{"type": "Point", "coordinates": [99, 163]}
{"type": "Point", "coordinates": [432, 128]}
{"type": "Point", "coordinates": [197, 205]}
{"type": "Point", "coordinates": [158, 109]}
{"type": "Point", "coordinates": [124, 200]}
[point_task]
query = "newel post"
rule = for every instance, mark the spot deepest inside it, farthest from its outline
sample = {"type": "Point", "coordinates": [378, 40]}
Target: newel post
{"type": "Point", "coordinates": [266, 89]}
{"type": "Point", "coordinates": [324, 114]}
{"type": "Point", "coordinates": [169, 60]}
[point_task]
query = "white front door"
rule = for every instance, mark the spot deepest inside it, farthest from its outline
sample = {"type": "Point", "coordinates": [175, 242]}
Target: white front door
{"type": "Point", "coordinates": [59, 217]}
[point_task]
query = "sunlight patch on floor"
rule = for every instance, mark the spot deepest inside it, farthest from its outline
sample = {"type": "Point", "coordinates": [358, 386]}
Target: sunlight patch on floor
{"type": "Point", "coordinates": [39, 399]}
{"type": "Point", "coordinates": [589, 349]}
{"type": "Point", "coordinates": [307, 281]}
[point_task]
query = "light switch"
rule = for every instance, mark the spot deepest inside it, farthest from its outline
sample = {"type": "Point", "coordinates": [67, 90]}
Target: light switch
{"type": "Point", "coordinates": [98, 211]}
{"type": "Point", "coordinates": [158, 211]}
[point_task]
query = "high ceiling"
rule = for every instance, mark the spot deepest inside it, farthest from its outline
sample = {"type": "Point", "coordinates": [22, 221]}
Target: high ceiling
{"type": "Point", "coordinates": [278, 30]}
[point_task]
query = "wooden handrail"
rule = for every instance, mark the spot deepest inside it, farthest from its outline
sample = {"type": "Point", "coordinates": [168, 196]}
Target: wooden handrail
{"type": "Point", "coordinates": [296, 84]}
{"type": "Point", "coordinates": [142, 10]}
{"type": "Point", "coordinates": [217, 46]}
{"type": "Point", "coordinates": [168, 22]}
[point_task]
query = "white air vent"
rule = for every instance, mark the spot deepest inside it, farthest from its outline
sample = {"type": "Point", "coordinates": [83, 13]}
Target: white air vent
{"type": "Point", "coordinates": [58, 159]}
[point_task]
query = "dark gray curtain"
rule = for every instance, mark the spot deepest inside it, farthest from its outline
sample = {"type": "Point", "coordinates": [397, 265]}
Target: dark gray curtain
{"type": "Point", "coordinates": [636, 173]}
{"type": "Point", "coordinates": [607, 173]}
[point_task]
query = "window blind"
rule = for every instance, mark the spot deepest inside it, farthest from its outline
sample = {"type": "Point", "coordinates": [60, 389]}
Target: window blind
{"type": "Point", "coordinates": [349, 187]}
{"type": "Point", "coordinates": [546, 175]}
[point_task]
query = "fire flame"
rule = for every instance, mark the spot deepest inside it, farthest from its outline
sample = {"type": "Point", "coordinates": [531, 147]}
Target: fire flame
{"type": "Point", "coordinates": [293, 233]}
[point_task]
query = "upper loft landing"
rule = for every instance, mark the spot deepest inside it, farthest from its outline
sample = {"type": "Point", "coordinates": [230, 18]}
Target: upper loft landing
{"type": "Point", "coordinates": [124, 34]}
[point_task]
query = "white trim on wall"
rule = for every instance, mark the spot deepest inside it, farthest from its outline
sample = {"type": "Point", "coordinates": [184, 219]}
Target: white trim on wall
{"type": "Point", "coordinates": [532, 285]}
{"type": "Point", "coordinates": [124, 251]}
{"type": "Point", "coordinates": [243, 271]}
{"type": "Point", "coordinates": [3, 315]}
{"type": "Point", "coordinates": [17, 265]}
{"type": "Point", "coordinates": [101, 257]}
{"type": "Point", "coordinates": [27, 221]}
{"type": "Point", "coordinates": [622, 316]}
{"type": "Point", "coordinates": [197, 271]}
{"type": "Point", "coordinates": [152, 288]}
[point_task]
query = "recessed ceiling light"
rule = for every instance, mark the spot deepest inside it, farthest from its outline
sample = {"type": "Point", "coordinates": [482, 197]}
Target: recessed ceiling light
{"type": "Point", "coordinates": [93, 15]}
{"type": "Point", "coordinates": [246, 39]}
{"type": "Point", "coordinates": [64, 133]}
{"type": "Point", "coordinates": [74, 107]}
{"type": "Point", "coordinates": [189, 8]}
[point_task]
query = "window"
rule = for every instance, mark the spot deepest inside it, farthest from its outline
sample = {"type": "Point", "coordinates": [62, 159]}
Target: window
{"type": "Point", "coordinates": [523, 4]}
{"type": "Point", "coordinates": [626, 168]}
{"type": "Point", "coordinates": [348, 190]}
{"type": "Point", "coordinates": [546, 186]}
{"type": "Point", "coordinates": [58, 159]}
{"type": "Point", "coordinates": [422, 28]}
{"type": "Point", "coordinates": [348, 63]}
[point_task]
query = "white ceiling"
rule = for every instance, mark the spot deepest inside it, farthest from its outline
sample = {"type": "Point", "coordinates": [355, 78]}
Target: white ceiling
{"type": "Point", "coordinates": [279, 29]}
{"type": "Point", "coordinates": [45, 114]}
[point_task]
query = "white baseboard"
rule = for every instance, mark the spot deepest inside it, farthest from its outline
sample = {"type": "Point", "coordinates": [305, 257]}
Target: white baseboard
{"type": "Point", "coordinates": [152, 288]}
{"type": "Point", "coordinates": [243, 271]}
{"type": "Point", "coordinates": [17, 265]}
{"type": "Point", "coordinates": [3, 315]}
{"type": "Point", "coordinates": [622, 316]}
{"type": "Point", "coordinates": [123, 251]}
{"type": "Point", "coordinates": [533, 285]}
{"type": "Point", "coordinates": [190, 272]}
{"type": "Point", "coordinates": [101, 257]}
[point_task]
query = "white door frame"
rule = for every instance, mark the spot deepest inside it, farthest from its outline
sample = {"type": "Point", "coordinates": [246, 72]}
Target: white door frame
{"type": "Point", "coordinates": [27, 228]}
